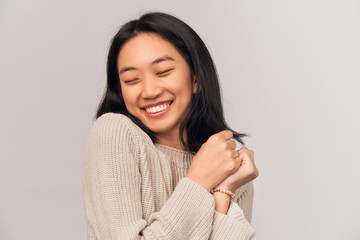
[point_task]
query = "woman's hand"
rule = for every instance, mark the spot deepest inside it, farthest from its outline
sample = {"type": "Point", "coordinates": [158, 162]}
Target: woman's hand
{"type": "Point", "coordinates": [216, 160]}
{"type": "Point", "coordinates": [246, 172]}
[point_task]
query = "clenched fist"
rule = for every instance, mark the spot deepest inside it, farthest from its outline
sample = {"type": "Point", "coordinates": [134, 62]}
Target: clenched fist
{"type": "Point", "coordinates": [246, 172]}
{"type": "Point", "coordinates": [216, 160]}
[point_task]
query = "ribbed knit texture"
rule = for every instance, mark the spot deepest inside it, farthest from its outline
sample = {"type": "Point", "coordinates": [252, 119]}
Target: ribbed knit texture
{"type": "Point", "coordinates": [134, 189]}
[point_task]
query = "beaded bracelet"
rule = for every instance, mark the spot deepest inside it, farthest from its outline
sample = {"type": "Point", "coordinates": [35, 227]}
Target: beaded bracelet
{"type": "Point", "coordinates": [231, 194]}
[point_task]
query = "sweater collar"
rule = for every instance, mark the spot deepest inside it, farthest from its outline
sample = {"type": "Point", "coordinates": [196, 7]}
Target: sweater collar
{"type": "Point", "coordinates": [180, 158]}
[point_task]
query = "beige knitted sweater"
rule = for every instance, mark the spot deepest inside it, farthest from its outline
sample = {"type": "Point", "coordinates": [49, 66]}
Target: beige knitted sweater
{"type": "Point", "coordinates": [134, 189]}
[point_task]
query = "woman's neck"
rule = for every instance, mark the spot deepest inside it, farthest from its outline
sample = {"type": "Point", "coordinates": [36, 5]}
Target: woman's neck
{"type": "Point", "coordinates": [171, 140]}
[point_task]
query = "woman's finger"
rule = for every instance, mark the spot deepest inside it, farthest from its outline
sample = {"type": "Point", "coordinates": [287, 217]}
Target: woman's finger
{"type": "Point", "coordinates": [252, 154]}
{"type": "Point", "coordinates": [231, 144]}
{"type": "Point", "coordinates": [235, 154]}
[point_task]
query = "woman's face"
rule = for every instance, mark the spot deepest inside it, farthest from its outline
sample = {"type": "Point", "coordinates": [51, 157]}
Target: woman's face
{"type": "Point", "coordinates": [156, 83]}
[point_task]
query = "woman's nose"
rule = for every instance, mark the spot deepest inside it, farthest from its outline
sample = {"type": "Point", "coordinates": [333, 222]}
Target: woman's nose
{"type": "Point", "coordinates": [151, 88]}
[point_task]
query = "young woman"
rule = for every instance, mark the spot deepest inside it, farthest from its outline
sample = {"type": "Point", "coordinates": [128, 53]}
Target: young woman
{"type": "Point", "coordinates": [160, 159]}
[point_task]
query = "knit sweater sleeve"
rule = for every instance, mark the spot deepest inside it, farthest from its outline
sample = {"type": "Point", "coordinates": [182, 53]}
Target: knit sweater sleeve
{"type": "Point", "coordinates": [112, 192]}
{"type": "Point", "coordinates": [236, 223]}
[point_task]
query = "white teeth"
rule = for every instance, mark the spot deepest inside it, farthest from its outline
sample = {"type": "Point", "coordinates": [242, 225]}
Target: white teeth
{"type": "Point", "coordinates": [157, 108]}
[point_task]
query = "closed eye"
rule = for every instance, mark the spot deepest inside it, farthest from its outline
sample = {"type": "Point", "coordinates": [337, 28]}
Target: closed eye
{"type": "Point", "coordinates": [131, 81]}
{"type": "Point", "coordinates": [163, 73]}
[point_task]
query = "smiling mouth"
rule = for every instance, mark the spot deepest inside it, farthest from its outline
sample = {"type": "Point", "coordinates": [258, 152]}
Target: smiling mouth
{"type": "Point", "coordinates": [158, 108]}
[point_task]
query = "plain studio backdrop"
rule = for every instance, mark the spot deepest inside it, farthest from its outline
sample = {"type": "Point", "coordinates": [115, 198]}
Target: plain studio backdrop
{"type": "Point", "coordinates": [290, 77]}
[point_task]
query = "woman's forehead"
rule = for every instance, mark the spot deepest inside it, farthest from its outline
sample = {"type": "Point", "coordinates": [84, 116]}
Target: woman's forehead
{"type": "Point", "coordinates": [147, 49]}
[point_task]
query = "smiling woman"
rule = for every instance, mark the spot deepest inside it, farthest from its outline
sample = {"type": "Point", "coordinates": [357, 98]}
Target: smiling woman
{"type": "Point", "coordinates": [158, 87]}
{"type": "Point", "coordinates": [160, 160]}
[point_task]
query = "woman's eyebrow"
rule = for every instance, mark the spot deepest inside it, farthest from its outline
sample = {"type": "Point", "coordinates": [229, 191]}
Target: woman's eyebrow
{"type": "Point", "coordinates": [161, 59]}
{"type": "Point", "coordinates": [125, 69]}
{"type": "Point", "coordinates": [156, 61]}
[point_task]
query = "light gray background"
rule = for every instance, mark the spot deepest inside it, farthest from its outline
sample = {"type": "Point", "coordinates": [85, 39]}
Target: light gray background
{"type": "Point", "coordinates": [289, 71]}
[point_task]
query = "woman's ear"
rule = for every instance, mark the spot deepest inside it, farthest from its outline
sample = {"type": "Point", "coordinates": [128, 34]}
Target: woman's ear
{"type": "Point", "coordinates": [194, 83]}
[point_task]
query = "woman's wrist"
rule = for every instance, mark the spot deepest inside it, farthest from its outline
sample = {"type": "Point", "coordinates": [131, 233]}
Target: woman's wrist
{"type": "Point", "coordinates": [222, 194]}
{"type": "Point", "coordinates": [204, 184]}
{"type": "Point", "coordinates": [222, 202]}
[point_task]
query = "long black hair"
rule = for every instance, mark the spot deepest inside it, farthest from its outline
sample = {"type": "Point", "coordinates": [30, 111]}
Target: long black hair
{"type": "Point", "coordinates": [205, 116]}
